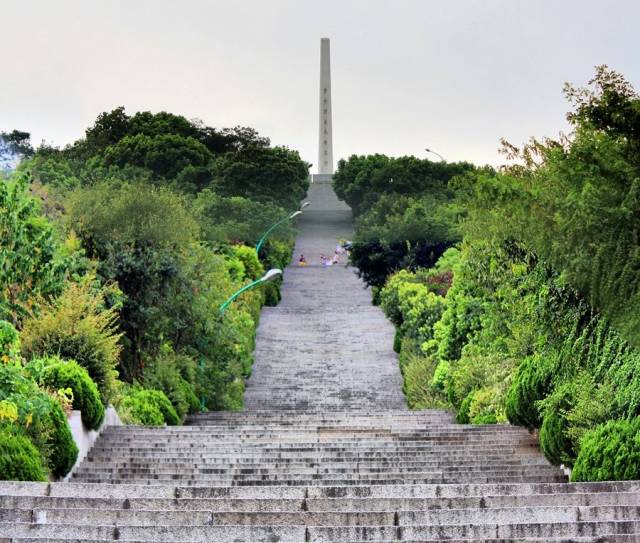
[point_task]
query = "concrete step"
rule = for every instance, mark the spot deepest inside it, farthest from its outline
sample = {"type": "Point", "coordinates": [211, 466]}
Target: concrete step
{"type": "Point", "coordinates": [543, 531]}
{"type": "Point", "coordinates": [485, 516]}
{"type": "Point", "coordinates": [435, 491]}
{"type": "Point", "coordinates": [17, 502]}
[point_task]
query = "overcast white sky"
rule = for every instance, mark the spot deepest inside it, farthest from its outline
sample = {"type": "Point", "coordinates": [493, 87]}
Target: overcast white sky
{"type": "Point", "coordinates": [453, 75]}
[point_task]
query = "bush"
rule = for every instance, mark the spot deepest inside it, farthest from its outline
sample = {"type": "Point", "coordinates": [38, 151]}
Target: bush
{"type": "Point", "coordinates": [64, 451]}
{"type": "Point", "coordinates": [440, 376]}
{"type": "Point", "coordinates": [417, 372]}
{"type": "Point", "coordinates": [77, 326]}
{"type": "Point", "coordinates": [253, 268]}
{"type": "Point", "coordinates": [278, 253]}
{"type": "Point", "coordinates": [32, 266]}
{"type": "Point", "coordinates": [148, 408]}
{"type": "Point", "coordinates": [486, 406]}
{"type": "Point", "coordinates": [271, 291]}
{"type": "Point", "coordinates": [164, 374]}
{"type": "Point", "coordinates": [19, 459]}
{"type": "Point", "coordinates": [59, 373]}
{"type": "Point", "coordinates": [9, 342]}
{"type": "Point", "coordinates": [421, 309]}
{"type": "Point", "coordinates": [41, 417]}
{"type": "Point", "coordinates": [468, 374]}
{"type": "Point", "coordinates": [462, 416]}
{"type": "Point", "coordinates": [554, 438]}
{"type": "Point", "coordinates": [532, 383]}
{"type": "Point", "coordinates": [397, 340]}
{"type": "Point", "coordinates": [389, 296]}
{"type": "Point", "coordinates": [610, 452]}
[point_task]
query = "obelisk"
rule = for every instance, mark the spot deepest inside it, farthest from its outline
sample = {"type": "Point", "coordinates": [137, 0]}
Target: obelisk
{"type": "Point", "coordinates": [325, 145]}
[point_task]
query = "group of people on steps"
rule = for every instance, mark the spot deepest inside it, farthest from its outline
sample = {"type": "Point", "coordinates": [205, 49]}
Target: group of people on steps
{"type": "Point", "coordinates": [341, 249]}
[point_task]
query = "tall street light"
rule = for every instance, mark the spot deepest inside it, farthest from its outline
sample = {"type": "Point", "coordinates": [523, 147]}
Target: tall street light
{"type": "Point", "coordinates": [274, 226]}
{"type": "Point", "coordinates": [269, 276]}
{"type": "Point", "coordinates": [434, 153]}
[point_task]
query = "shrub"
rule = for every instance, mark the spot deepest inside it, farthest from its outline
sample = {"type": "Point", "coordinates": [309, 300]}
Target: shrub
{"type": "Point", "coordinates": [19, 459]}
{"type": "Point", "coordinates": [609, 452]}
{"type": "Point", "coordinates": [389, 296]}
{"type": "Point", "coordinates": [532, 383]}
{"type": "Point", "coordinates": [271, 291]}
{"type": "Point", "coordinates": [591, 405]}
{"type": "Point", "coordinates": [9, 342]}
{"type": "Point", "coordinates": [31, 263]}
{"type": "Point", "coordinates": [417, 372]}
{"type": "Point", "coordinates": [278, 253]}
{"type": "Point", "coordinates": [554, 438]}
{"type": "Point", "coordinates": [420, 309]}
{"type": "Point", "coordinates": [440, 376]}
{"type": "Point", "coordinates": [148, 408]}
{"type": "Point", "coordinates": [462, 416]}
{"type": "Point", "coordinates": [486, 406]}
{"type": "Point", "coordinates": [397, 340]}
{"type": "Point", "coordinates": [136, 409]}
{"type": "Point", "coordinates": [164, 374]}
{"type": "Point", "coordinates": [77, 326]}
{"type": "Point", "coordinates": [253, 268]}
{"type": "Point", "coordinates": [64, 451]}
{"type": "Point", "coordinates": [59, 373]}
{"type": "Point", "coordinates": [468, 374]}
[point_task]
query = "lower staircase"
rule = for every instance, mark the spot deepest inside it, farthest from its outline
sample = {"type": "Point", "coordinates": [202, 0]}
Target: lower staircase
{"type": "Point", "coordinates": [338, 477]}
{"type": "Point", "coordinates": [326, 450]}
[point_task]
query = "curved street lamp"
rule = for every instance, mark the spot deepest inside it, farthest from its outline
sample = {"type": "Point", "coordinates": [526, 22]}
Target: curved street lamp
{"type": "Point", "coordinates": [269, 276]}
{"type": "Point", "coordinates": [434, 153]}
{"type": "Point", "coordinates": [274, 226]}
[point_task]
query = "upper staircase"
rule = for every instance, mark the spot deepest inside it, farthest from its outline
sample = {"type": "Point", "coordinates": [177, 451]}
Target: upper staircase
{"type": "Point", "coordinates": [325, 451]}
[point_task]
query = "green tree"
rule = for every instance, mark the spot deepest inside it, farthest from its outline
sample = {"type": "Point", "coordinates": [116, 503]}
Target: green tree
{"type": "Point", "coordinates": [140, 239]}
{"type": "Point", "coordinates": [277, 175]}
{"type": "Point", "coordinates": [31, 265]}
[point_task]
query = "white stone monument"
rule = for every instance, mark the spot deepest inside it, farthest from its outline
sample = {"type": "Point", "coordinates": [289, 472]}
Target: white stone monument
{"type": "Point", "coordinates": [325, 143]}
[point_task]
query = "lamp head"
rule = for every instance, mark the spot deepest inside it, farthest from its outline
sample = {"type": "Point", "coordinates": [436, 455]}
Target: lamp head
{"type": "Point", "coordinates": [306, 204]}
{"type": "Point", "coordinates": [271, 275]}
{"type": "Point", "coordinates": [295, 214]}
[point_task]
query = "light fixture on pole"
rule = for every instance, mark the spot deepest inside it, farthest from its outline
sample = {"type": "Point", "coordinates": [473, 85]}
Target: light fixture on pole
{"type": "Point", "coordinates": [434, 153]}
{"type": "Point", "coordinates": [269, 276]}
{"type": "Point", "coordinates": [274, 226]}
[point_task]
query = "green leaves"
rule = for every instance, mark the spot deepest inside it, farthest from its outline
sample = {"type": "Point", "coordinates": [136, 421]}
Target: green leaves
{"type": "Point", "coordinates": [30, 262]}
{"type": "Point", "coordinates": [610, 452]}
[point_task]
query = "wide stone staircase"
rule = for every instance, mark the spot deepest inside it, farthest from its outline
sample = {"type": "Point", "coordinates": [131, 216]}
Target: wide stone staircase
{"type": "Point", "coordinates": [325, 450]}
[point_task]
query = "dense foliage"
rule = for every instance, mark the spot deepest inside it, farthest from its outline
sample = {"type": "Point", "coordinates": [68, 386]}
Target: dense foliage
{"type": "Point", "coordinates": [148, 407]}
{"type": "Point", "coordinates": [19, 459]}
{"type": "Point", "coordinates": [39, 414]}
{"type": "Point", "coordinates": [117, 252]}
{"type": "Point", "coordinates": [610, 452]}
{"type": "Point", "coordinates": [405, 212]}
{"type": "Point", "coordinates": [540, 323]}
{"type": "Point", "coordinates": [30, 263]}
{"type": "Point", "coordinates": [56, 374]}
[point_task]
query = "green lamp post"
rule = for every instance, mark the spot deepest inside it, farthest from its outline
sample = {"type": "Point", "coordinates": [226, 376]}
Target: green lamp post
{"type": "Point", "coordinates": [434, 153]}
{"type": "Point", "coordinates": [269, 276]}
{"type": "Point", "coordinates": [274, 226]}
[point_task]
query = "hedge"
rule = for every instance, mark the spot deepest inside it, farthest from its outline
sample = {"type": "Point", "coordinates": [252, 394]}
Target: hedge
{"type": "Point", "coordinates": [610, 452]}
{"type": "Point", "coordinates": [19, 459]}
{"type": "Point", "coordinates": [86, 397]}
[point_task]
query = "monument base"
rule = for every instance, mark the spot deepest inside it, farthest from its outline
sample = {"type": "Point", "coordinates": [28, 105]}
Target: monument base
{"type": "Point", "coordinates": [322, 178]}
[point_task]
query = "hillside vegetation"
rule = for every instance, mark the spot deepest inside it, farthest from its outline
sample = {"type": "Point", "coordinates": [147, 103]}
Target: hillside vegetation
{"type": "Point", "coordinates": [516, 293]}
{"type": "Point", "coordinates": [117, 252]}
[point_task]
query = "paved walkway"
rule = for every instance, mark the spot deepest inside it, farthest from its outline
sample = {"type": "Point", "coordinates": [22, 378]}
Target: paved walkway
{"type": "Point", "coordinates": [325, 347]}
